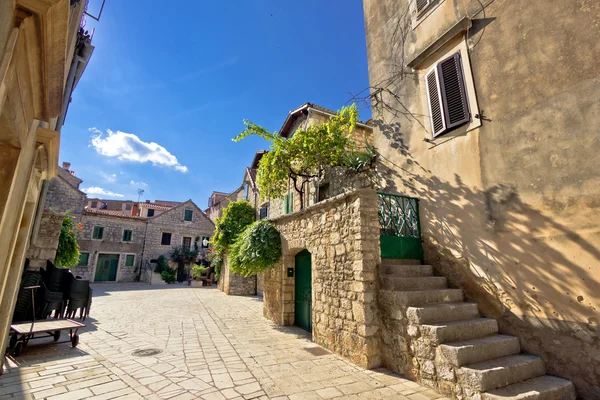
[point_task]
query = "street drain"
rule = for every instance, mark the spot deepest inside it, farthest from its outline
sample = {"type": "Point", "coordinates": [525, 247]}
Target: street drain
{"type": "Point", "coordinates": [317, 351]}
{"type": "Point", "coordinates": [146, 352]}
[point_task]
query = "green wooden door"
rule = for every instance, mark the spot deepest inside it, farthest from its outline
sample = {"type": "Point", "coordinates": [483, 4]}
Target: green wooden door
{"type": "Point", "coordinates": [106, 268]}
{"type": "Point", "coordinates": [303, 291]}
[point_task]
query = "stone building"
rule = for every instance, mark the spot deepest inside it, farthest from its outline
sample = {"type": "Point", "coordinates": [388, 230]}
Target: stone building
{"type": "Point", "coordinates": [43, 53]}
{"type": "Point", "coordinates": [62, 195]}
{"type": "Point", "coordinates": [487, 112]}
{"type": "Point", "coordinates": [110, 247]}
{"type": "Point", "coordinates": [179, 226]}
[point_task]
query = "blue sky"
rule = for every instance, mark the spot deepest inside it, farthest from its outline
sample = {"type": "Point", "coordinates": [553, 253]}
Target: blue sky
{"type": "Point", "coordinates": [168, 87]}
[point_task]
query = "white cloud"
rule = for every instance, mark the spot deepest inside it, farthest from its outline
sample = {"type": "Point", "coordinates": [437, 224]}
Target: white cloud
{"type": "Point", "coordinates": [129, 147]}
{"type": "Point", "coordinates": [140, 183]}
{"type": "Point", "coordinates": [101, 191]}
{"type": "Point", "coordinates": [112, 178]}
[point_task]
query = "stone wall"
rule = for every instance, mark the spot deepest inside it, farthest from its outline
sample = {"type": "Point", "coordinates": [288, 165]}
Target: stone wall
{"type": "Point", "coordinates": [234, 284]}
{"type": "Point", "coordinates": [63, 195]}
{"type": "Point", "coordinates": [111, 243]}
{"type": "Point", "coordinates": [342, 234]}
{"type": "Point", "coordinates": [45, 242]}
{"type": "Point", "coordinates": [510, 201]}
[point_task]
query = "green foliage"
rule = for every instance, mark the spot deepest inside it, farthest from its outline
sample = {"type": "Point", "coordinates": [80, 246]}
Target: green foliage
{"type": "Point", "coordinates": [359, 161]}
{"type": "Point", "coordinates": [215, 257]}
{"type": "Point", "coordinates": [161, 265]}
{"type": "Point", "coordinates": [258, 248]}
{"type": "Point", "coordinates": [236, 216]}
{"type": "Point", "coordinates": [183, 255]}
{"type": "Point", "coordinates": [198, 271]}
{"type": "Point", "coordinates": [67, 253]}
{"type": "Point", "coordinates": [168, 276]}
{"type": "Point", "coordinates": [305, 155]}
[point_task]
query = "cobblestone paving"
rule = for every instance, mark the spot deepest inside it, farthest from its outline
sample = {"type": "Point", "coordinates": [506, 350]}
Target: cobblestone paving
{"type": "Point", "coordinates": [211, 346]}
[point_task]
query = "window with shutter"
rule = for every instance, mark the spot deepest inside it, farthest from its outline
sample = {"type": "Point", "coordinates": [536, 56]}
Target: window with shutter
{"type": "Point", "coordinates": [422, 4]}
{"type": "Point", "coordinates": [446, 95]}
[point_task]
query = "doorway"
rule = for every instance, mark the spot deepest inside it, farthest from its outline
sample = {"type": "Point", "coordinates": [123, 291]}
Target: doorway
{"type": "Point", "coordinates": [106, 268]}
{"type": "Point", "coordinates": [303, 291]}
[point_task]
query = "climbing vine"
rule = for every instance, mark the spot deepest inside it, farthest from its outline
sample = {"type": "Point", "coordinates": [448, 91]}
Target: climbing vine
{"type": "Point", "coordinates": [256, 249]}
{"type": "Point", "coordinates": [67, 253]}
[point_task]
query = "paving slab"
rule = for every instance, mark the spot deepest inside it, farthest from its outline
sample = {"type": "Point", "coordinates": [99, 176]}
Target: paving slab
{"type": "Point", "coordinates": [189, 343]}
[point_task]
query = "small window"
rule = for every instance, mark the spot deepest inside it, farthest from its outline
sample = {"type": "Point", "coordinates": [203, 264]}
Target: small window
{"type": "Point", "coordinates": [165, 240]}
{"type": "Point", "coordinates": [84, 259]}
{"type": "Point", "coordinates": [288, 204]}
{"type": "Point", "coordinates": [187, 215]}
{"type": "Point", "coordinates": [422, 5]}
{"type": "Point", "coordinates": [323, 192]}
{"type": "Point", "coordinates": [128, 207]}
{"type": "Point", "coordinates": [264, 212]}
{"type": "Point", "coordinates": [127, 234]}
{"type": "Point", "coordinates": [447, 96]}
{"type": "Point", "coordinates": [151, 212]}
{"type": "Point", "coordinates": [246, 191]}
{"type": "Point", "coordinates": [129, 259]}
{"type": "Point", "coordinates": [98, 232]}
{"type": "Point", "coordinates": [205, 242]}
{"type": "Point", "coordinates": [187, 242]}
{"type": "Point", "coordinates": [94, 204]}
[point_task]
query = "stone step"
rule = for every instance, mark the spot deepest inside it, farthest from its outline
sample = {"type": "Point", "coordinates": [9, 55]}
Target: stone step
{"type": "Point", "coordinates": [392, 282]}
{"type": "Point", "coordinates": [541, 388]}
{"type": "Point", "coordinates": [406, 270]}
{"type": "Point", "coordinates": [420, 297]}
{"type": "Point", "coordinates": [399, 261]}
{"type": "Point", "coordinates": [446, 312]}
{"type": "Point", "coordinates": [500, 372]}
{"type": "Point", "coordinates": [480, 349]}
{"type": "Point", "coordinates": [459, 330]}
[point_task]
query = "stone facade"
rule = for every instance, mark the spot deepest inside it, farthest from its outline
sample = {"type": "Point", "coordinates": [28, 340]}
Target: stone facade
{"type": "Point", "coordinates": [172, 221]}
{"type": "Point", "coordinates": [45, 242]}
{"type": "Point", "coordinates": [342, 235]}
{"type": "Point", "coordinates": [509, 200]}
{"type": "Point", "coordinates": [111, 243]}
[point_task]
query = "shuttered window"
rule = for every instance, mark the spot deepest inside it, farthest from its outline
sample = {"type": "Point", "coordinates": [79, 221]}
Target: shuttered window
{"type": "Point", "coordinates": [422, 4]}
{"type": "Point", "coordinates": [129, 260]}
{"type": "Point", "coordinates": [447, 96]}
{"type": "Point", "coordinates": [127, 234]}
{"type": "Point", "coordinates": [288, 204]}
{"type": "Point", "coordinates": [98, 232]}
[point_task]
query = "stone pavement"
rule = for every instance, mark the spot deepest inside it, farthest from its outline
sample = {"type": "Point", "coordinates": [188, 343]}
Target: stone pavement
{"type": "Point", "coordinates": [211, 346]}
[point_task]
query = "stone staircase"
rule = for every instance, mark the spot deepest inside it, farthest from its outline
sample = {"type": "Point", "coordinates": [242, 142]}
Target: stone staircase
{"type": "Point", "coordinates": [443, 342]}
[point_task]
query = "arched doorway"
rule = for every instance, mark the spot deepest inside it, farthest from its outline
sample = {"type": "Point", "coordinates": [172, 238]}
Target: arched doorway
{"type": "Point", "coordinates": [303, 291]}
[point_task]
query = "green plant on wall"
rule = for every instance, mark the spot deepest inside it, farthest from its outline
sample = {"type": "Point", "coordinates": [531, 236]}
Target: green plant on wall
{"type": "Point", "coordinates": [258, 248]}
{"type": "Point", "coordinates": [182, 255]}
{"type": "Point", "coordinates": [236, 217]}
{"type": "Point", "coordinates": [67, 253]}
{"type": "Point", "coordinates": [306, 155]}
{"type": "Point", "coordinates": [215, 257]}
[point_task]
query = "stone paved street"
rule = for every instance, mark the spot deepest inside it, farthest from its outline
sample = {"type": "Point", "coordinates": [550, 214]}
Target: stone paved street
{"type": "Point", "coordinates": [212, 346]}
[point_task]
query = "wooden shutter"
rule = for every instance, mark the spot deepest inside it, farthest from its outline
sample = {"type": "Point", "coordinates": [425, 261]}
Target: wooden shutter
{"type": "Point", "coordinates": [434, 98]}
{"type": "Point", "coordinates": [421, 4]}
{"type": "Point", "coordinates": [454, 96]}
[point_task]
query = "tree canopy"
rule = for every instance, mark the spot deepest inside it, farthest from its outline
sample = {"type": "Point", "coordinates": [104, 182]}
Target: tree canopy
{"type": "Point", "coordinates": [307, 154]}
{"type": "Point", "coordinates": [67, 253]}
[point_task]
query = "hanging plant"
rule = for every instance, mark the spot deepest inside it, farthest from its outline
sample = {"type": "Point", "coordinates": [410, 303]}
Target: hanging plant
{"type": "Point", "coordinates": [257, 249]}
{"type": "Point", "coordinates": [67, 253]}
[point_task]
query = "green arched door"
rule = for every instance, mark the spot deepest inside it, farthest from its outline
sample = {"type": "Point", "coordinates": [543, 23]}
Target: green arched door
{"type": "Point", "coordinates": [303, 291]}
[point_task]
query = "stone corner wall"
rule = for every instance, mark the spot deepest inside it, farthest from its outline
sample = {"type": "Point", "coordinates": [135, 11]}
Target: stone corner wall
{"type": "Point", "coordinates": [45, 242]}
{"type": "Point", "coordinates": [342, 235]}
{"type": "Point", "coordinates": [234, 284]}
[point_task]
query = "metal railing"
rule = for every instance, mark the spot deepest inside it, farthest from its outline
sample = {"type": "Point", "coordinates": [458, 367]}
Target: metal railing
{"type": "Point", "coordinates": [399, 215]}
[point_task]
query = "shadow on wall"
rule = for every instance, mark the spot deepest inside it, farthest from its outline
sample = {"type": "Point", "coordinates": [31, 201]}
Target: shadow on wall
{"type": "Point", "coordinates": [506, 256]}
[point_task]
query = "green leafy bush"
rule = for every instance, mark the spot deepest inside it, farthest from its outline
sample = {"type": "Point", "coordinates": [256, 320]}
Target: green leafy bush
{"type": "Point", "coordinates": [359, 161]}
{"type": "Point", "coordinates": [258, 248]}
{"type": "Point", "coordinates": [198, 271]}
{"type": "Point", "coordinates": [168, 276]}
{"type": "Point", "coordinates": [215, 257]}
{"type": "Point", "coordinates": [161, 265]}
{"type": "Point", "coordinates": [67, 253]}
{"type": "Point", "coordinates": [236, 217]}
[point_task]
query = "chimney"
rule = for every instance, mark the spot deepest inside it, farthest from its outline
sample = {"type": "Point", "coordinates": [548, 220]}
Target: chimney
{"type": "Point", "coordinates": [66, 165]}
{"type": "Point", "coordinates": [147, 201]}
